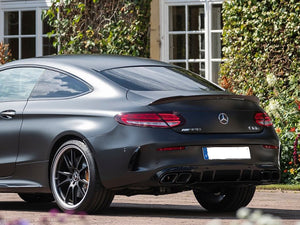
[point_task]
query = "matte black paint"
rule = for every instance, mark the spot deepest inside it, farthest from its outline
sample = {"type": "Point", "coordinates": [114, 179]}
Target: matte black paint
{"type": "Point", "coordinates": [127, 157]}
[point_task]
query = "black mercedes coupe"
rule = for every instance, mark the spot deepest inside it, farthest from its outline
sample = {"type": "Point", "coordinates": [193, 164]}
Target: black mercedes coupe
{"type": "Point", "coordinates": [80, 129]}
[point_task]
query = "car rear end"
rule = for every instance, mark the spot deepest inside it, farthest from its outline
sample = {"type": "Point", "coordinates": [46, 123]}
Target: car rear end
{"type": "Point", "coordinates": [174, 140]}
{"type": "Point", "coordinates": [197, 145]}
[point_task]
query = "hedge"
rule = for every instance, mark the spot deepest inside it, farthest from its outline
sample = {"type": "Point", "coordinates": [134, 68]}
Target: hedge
{"type": "Point", "coordinates": [261, 52]}
{"type": "Point", "coordinates": [100, 26]}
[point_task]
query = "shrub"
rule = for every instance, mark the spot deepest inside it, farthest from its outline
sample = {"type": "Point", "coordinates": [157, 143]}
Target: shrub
{"type": "Point", "coordinates": [100, 26]}
{"type": "Point", "coordinates": [5, 53]}
{"type": "Point", "coordinates": [262, 50]}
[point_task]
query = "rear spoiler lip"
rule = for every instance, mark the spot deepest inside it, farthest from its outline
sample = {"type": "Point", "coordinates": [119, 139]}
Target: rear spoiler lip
{"type": "Point", "coordinates": [206, 97]}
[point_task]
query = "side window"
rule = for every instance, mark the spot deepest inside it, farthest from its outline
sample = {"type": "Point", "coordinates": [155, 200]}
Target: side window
{"type": "Point", "coordinates": [58, 85]}
{"type": "Point", "coordinates": [17, 83]}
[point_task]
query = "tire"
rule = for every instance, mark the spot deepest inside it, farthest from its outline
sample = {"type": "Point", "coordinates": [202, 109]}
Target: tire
{"type": "Point", "coordinates": [74, 180]}
{"type": "Point", "coordinates": [228, 199]}
{"type": "Point", "coordinates": [36, 197]}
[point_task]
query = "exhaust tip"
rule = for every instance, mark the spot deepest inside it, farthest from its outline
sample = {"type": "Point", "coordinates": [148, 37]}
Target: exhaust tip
{"type": "Point", "coordinates": [169, 178]}
{"type": "Point", "coordinates": [176, 178]}
{"type": "Point", "coordinates": [183, 178]}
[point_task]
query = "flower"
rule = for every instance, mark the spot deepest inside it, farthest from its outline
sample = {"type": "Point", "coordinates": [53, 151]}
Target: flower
{"type": "Point", "coordinates": [243, 213]}
{"type": "Point", "coordinates": [20, 222]}
{"type": "Point", "coordinates": [298, 103]}
{"type": "Point", "coordinates": [290, 163]}
{"type": "Point", "coordinates": [293, 129]}
{"type": "Point", "coordinates": [271, 79]}
{"type": "Point", "coordinates": [292, 171]}
{"type": "Point", "coordinates": [54, 212]}
{"type": "Point", "coordinates": [278, 130]}
{"type": "Point", "coordinates": [285, 171]}
{"type": "Point", "coordinates": [273, 108]}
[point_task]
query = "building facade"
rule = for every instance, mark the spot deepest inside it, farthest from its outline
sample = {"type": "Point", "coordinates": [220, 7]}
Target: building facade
{"type": "Point", "coordinates": [183, 32]}
{"type": "Point", "coordinates": [22, 27]}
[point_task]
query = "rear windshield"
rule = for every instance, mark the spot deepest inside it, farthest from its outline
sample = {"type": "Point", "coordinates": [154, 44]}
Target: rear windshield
{"type": "Point", "coordinates": [158, 79]}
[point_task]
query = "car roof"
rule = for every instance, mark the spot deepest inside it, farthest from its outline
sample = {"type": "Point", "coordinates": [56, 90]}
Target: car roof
{"type": "Point", "coordinates": [89, 62]}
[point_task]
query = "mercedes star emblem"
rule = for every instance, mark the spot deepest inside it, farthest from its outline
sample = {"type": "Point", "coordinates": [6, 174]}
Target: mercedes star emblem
{"type": "Point", "coordinates": [223, 118]}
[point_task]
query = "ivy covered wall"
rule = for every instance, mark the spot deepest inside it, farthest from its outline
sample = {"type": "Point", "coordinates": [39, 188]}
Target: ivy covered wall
{"type": "Point", "coordinates": [101, 26]}
{"type": "Point", "coordinates": [261, 41]}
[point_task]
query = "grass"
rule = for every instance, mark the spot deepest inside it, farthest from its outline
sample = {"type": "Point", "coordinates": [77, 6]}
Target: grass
{"type": "Point", "coordinates": [283, 187]}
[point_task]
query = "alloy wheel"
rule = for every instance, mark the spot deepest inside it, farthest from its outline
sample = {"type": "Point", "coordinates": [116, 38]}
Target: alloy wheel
{"type": "Point", "coordinates": [70, 176]}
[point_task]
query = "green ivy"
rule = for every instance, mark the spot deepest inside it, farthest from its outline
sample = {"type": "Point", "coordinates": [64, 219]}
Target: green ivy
{"type": "Point", "coordinates": [5, 53]}
{"type": "Point", "coordinates": [100, 26]}
{"type": "Point", "coordinates": [261, 41]}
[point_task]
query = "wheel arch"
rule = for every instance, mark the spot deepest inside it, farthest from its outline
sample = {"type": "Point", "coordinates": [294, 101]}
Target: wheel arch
{"type": "Point", "coordinates": [62, 139]}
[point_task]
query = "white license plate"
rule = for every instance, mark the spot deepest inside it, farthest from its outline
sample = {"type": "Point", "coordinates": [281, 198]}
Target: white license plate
{"type": "Point", "coordinates": [226, 153]}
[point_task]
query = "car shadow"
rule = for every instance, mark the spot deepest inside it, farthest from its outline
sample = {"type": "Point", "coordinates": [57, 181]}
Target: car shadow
{"type": "Point", "coordinates": [24, 206]}
{"type": "Point", "coordinates": [188, 211]}
{"type": "Point", "coordinates": [163, 210]}
{"type": "Point", "coordinates": [151, 210]}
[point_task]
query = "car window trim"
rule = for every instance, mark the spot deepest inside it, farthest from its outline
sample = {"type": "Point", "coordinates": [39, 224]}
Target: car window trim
{"type": "Point", "coordinates": [90, 87]}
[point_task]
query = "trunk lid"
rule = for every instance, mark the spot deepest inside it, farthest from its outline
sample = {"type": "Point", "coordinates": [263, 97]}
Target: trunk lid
{"type": "Point", "coordinates": [208, 113]}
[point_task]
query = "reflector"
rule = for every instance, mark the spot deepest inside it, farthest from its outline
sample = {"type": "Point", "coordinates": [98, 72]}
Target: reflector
{"type": "Point", "coordinates": [270, 146]}
{"type": "Point", "coordinates": [171, 148]}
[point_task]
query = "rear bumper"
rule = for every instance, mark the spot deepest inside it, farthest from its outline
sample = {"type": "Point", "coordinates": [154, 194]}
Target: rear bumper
{"type": "Point", "coordinates": [129, 159]}
{"type": "Point", "coordinates": [197, 175]}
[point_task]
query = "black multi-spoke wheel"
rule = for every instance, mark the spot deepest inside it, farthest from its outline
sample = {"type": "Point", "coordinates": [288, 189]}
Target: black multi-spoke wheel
{"type": "Point", "coordinates": [226, 199]}
{"type": "Point", "coordinates": [74, 179]}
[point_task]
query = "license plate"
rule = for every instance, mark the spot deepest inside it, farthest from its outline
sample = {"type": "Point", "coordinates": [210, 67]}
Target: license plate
{"type": "Point", "coordinates": [226, 153]}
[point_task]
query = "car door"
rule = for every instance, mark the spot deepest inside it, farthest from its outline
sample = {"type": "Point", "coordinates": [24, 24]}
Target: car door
{"type": "Point", "coordinates": [16, 85]}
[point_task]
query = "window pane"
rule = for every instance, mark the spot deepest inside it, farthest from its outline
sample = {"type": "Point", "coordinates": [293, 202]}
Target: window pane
{"type": "Point", "coordinates": [196, 17]}
{"type": "Point", "coordinates": [183, 65]}
{"type": "Point", "coordinates": [28, 22]}
{"type": "Point", "coordinates": [11, 24]}
{"type": "Point", "coordinates": [13, 46]}
{"type": "Point", "coordinates": [198, 68]}
{"type": "Point", "coordinates": [28, 47]}
{"type": "Point", "coordinates": [157, 79]}
{"type": "Point", "coordinates": [57, 85]}
{"type": "Point", "coordinates": [177, 46]}
{"type": "Point", "coordinates": [216, 17]}
{"type": "Point", "coordinates": [216, 45]}
{"type": "Point", "coordinates": [48, 48]}
{"type": "Point", "coordinates": [215, 68]}
{"type": "Point", "coordinates": [17, 84]}
{"type": "Point", "coordinates": [196, 46]}
{"type": "Point", "coordinates": [177, 18]}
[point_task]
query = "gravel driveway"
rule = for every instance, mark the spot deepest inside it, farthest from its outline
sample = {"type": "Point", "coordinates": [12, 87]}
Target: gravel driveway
{"type": "Point", "coordinates": [172, 209]}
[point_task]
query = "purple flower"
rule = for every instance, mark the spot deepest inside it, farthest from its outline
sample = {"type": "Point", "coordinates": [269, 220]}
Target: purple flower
{"type": "Point", "coordinates": [70, 212]}
{"type": "Point", "coordinates": [19, 222]}
{"type": "Point", "coordinates": [295, 149]}
{"type": "Point", "coordinates": [54, 212]}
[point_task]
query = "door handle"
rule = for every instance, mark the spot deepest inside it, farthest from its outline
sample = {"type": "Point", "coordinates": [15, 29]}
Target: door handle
{"type": "Point", "coordinates": [7, 114]}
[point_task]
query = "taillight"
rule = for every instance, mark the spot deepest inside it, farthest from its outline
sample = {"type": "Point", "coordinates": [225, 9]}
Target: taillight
{"type": "Point", "coordinates": [263, 119]}
{"type": "Point", "coordinates": [160, 120]}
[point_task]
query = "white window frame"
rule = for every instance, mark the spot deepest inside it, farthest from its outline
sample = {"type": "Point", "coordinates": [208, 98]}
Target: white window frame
{"type": "Point", "coordinates": [164, 32]}
{"type": "Point", "coordinates": [20, 6]}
